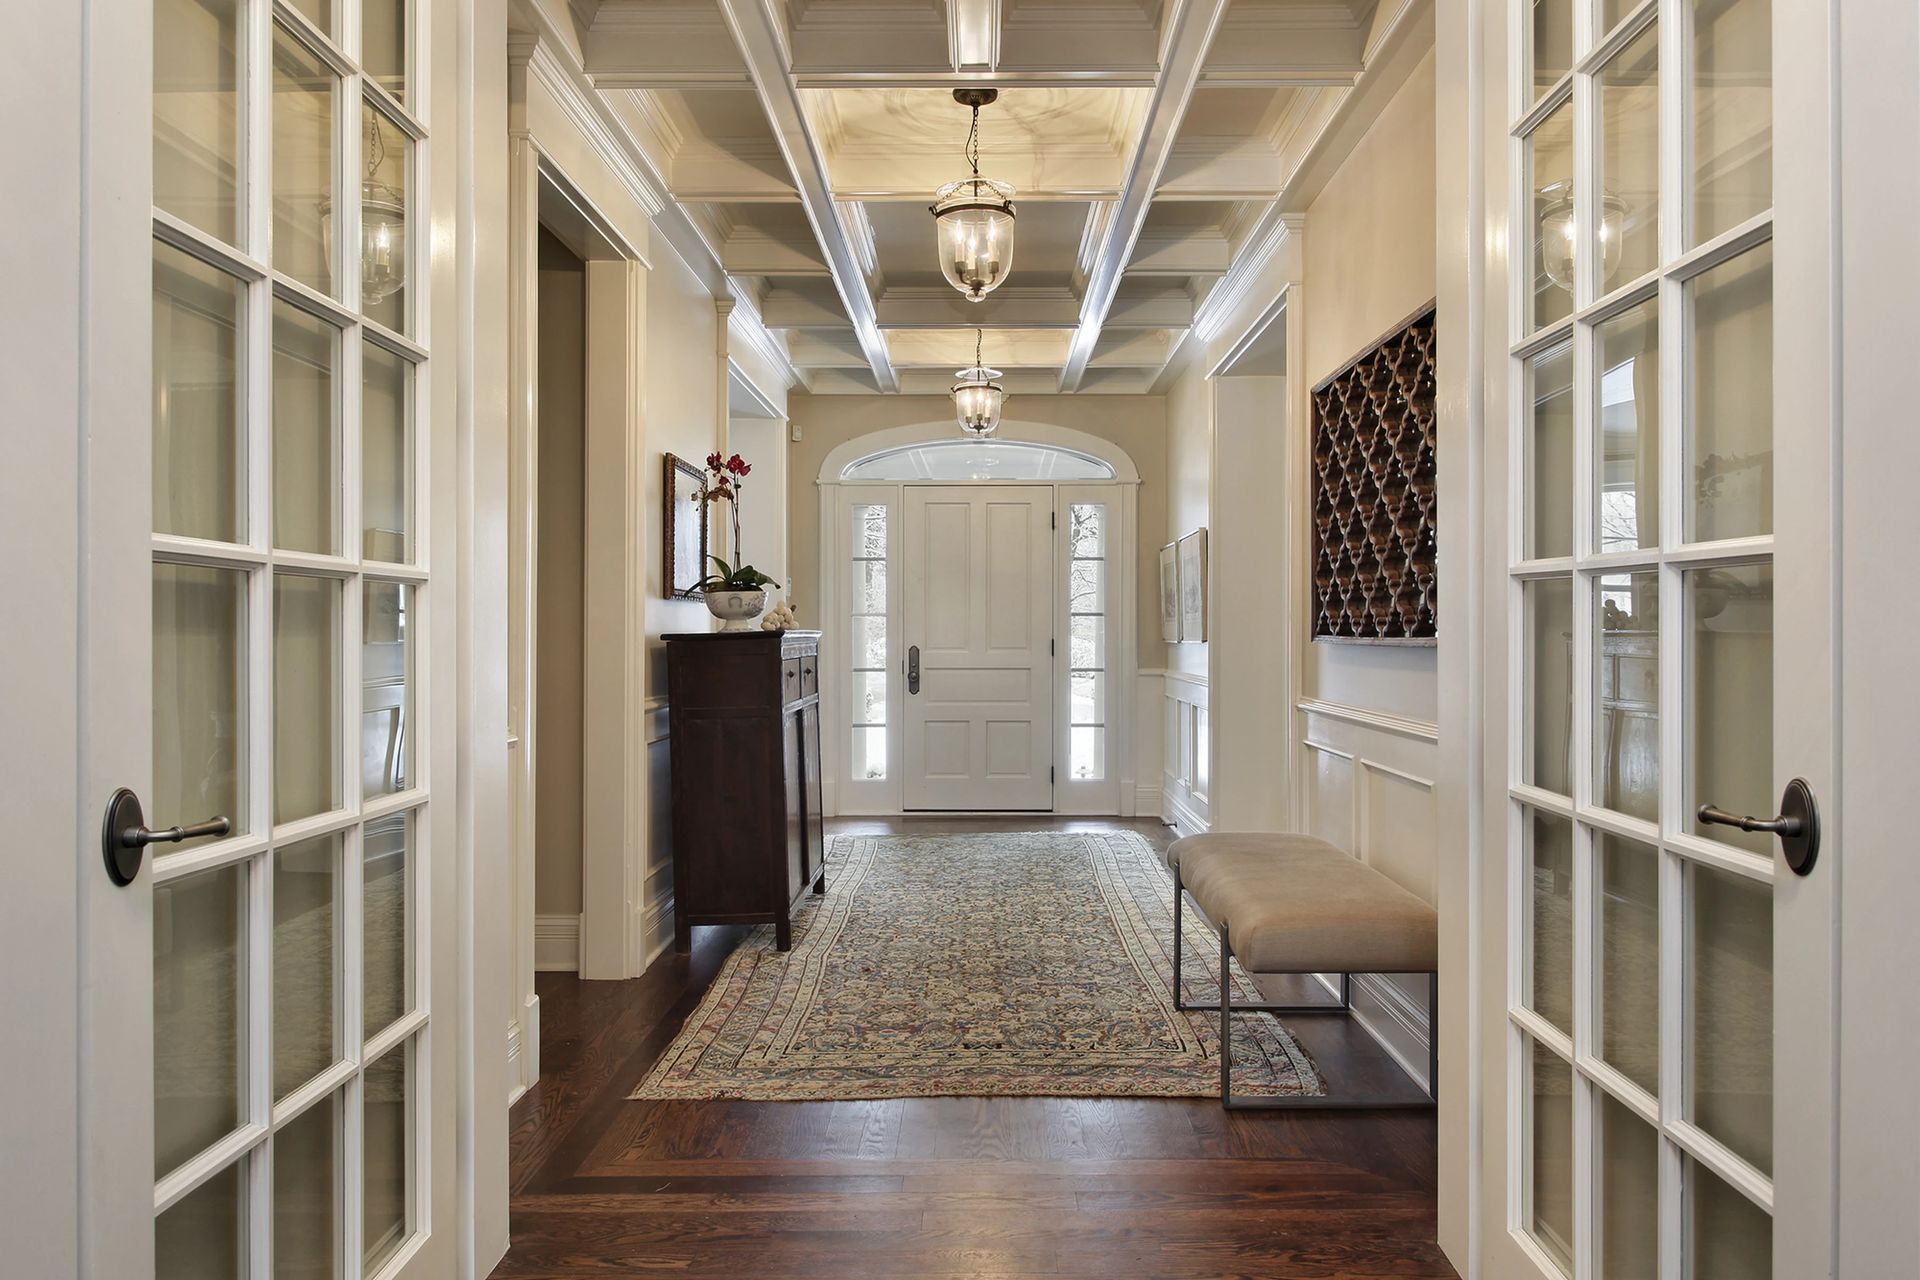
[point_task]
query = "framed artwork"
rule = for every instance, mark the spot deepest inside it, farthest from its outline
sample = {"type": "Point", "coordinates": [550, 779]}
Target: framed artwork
{"type": "Point", "coordinates": [1193, 586]}
{"type": "Point", "coordinates": [1169, 594]}
{"type": "Point", "coordinates": [686, 533]}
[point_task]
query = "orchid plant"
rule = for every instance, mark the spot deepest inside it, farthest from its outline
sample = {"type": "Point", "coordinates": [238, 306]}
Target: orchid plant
{"type": "Point", "coordinates": [729, 476]}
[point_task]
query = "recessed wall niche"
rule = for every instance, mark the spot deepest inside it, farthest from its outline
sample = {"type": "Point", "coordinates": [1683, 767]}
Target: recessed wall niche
{"type": "Point", "coordinates": [1373, 493]}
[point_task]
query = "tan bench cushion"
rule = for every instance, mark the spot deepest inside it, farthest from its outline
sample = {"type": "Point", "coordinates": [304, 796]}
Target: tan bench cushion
{"type": "Point", "coordinates": [1296, 904]}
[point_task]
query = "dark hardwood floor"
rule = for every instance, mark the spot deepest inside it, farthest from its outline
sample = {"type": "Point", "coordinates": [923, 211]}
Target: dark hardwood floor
{"type": "Point", "coordinates": [925, 1189]}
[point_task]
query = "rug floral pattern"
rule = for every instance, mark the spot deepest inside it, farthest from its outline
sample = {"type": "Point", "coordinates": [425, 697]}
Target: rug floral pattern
{"type": "Point", "coordinates": [1015, 964]}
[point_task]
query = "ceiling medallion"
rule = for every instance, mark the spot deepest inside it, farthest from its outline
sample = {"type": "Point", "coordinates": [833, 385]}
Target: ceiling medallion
{"type": "Point", "coordinates": [977, 396]}
{"type": "Point", "coordinates": [973, 218]}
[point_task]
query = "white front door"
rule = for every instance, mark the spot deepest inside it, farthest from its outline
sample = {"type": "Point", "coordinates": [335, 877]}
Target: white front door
{"type": "Point", "coordinates": [977, 640]}
{"type": "Point", "coordinates": [1658, 1054]}
{"type": "Point", "coordinates": [246, 1078]}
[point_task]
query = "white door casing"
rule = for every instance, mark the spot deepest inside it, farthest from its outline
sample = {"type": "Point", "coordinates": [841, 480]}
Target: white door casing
{"type": "Point", "coordinates": [978, 606]}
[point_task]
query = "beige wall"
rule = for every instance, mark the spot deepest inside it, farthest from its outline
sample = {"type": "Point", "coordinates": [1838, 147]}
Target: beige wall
{"type": "Point", "coordinates": [1189, 505]}
{"type": "Point", "coordinates": [1370, 248]}
{"type": "Point", "coordinates": [561, 508]}
{"type": "Point", "coordinates": [1135, 423]}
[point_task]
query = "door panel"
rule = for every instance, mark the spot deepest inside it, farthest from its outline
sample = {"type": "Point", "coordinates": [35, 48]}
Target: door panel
{"type": "Point", "coordinates": [978, 605]}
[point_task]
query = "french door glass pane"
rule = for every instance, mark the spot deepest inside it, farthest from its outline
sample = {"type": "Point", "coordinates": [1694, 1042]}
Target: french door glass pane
{"type": "Point", "coordinates": [199, 695]}
{"type": "Point", "coordinates": [1630, 159]}
{"type": "Point", "coordinates": [383, 220]}
{"type": "Point", "coordinates": [319, 11]}
{"type": "Point", "coordinates": [870, 587]}
{"type": "Point", "coordinates": [1612, 11]}
{"type": "Point", "coordinates": [1550, 1089]}
{"type": "Point", "coordinates": [198, 160]}
{"type": "Point", "coordinates": [306, 961]}
{"type": "Point", "coordinates": [306, 431]}
{"type": "Point", "coordinates": [870, 532]}
{"type": "Point", "coordinates": [869, 697]}
{"type": "Point", "coordinates": [1728, 1236]}
{"type": "Point", "coordinates": [1087, 697]}
{"type": "Point", "coordinates": [1087, 752]}
{"type": "Point", "coordinates": [1548, 527]}
{"type": "Point", "coordinates": [1547, 680]}
{"type": "Point", "coordinates": [1086, 586]}
{"type": "Point", "coordinates": [306, 659]}
{"type": "Point", "coordinates": [387, 852]}
{"type": "Point", "coordinates": [1729, 1003]}
{"type": "Point", "coordinates": [869, 760]}
{"type": "Point", "coordinates": [1730, 697]}
{"type": "Point", "coordinates": [1729, 401]}
{"type": "Point", "coordinates": [199, 1013]}
{"type": "Point", "coordinates": [304, 89]}
{"type": "Point", "coordinates": [386, 455]}
{"type": "Point", "coordinates": [1627, 986]}
{"type": "Point", "coordinates": [1087, 642]}
{"type": "Point", "coordinates": [386, 674]}
{"type": "Point", "coordinates": [1627, 728]}
{"type": "Point", "coordinates": [1627, 1157]}
{"type": "Point", "coordinates": [1552, 42]}
{"type": "Point", "coordinates": [384, 1141]}
{"type": "Point", "coordinates": [306, 1193]}
{"type": "Point", "coordinates": [383, 44]}
{"type": "Point", "coordinates": [199, 450]}
{"type": "Point", "coordinates": [204, 1235]}
{"type": "Point", "coordinates": [1731, 114]}
{"type": "Point", "coordinates": [1549, 168]}
{"type": "Point", "coordinates": [1549, 841]}
{"type": "Point", "coordinates": [1627, 468]}
{"type": "Point", "coordinates": [869, 643]}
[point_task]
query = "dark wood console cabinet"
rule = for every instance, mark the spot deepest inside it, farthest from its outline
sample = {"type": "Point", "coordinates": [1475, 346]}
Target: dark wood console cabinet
{"type": "Point", "coordinates": [748, 835]}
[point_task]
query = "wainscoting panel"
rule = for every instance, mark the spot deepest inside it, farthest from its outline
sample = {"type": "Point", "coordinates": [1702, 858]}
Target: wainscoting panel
{"type": "Point", "coordinates": [1367, 786]}
{"type": "Point", "coordinates": [1185, 766]}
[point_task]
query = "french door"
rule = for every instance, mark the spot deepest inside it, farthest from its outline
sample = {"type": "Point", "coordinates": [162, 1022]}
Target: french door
{"type": "Point", "coordinates": [252, 616]}
{"type": "Point", "coordinates": [977, 640]}
{"type": "Point", "coordinates": [1661, 1096]}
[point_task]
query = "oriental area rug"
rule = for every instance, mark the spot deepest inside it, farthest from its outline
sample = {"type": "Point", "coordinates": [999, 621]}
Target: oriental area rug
{"type": "Point", "coordinates": [985, 965]}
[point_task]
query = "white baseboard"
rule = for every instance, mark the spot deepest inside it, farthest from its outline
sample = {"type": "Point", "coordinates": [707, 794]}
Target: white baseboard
{"type": "Point", "coordinates": [556, 944]}
{"type": "Point", "coordinates": [1180, 816]}
{"type": "Point", "coordinates": [1146, 800]}
{"type": "Point", "coordinates": [516, 1069]}
{"type": "Point", "coordinates": [656, 931]}
{"type": "Point", "coordinates": [1395, 1020]}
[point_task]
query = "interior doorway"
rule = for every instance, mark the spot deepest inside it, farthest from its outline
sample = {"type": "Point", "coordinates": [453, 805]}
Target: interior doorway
{"type": "Point", "coordinates": [986, 589]}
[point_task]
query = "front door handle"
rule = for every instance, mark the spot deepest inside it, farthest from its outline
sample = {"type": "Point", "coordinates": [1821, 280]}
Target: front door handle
{"type": "Point", "coordinates": [125, 835]}
{"type": "Point", "coordinates": [913, 668]}
{"type": "Point", "coordinates": [1798, 825]}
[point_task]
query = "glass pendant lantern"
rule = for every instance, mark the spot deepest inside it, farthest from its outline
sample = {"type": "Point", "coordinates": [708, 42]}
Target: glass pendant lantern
{"type": "Point", "coordinates": [973, 218]}
{"type": "Point", "coordinates": [383, 225]}
{"type": "Point", "coordinates": [977, 396]}
{"type": "Point", "coordinates": [1557, 234]}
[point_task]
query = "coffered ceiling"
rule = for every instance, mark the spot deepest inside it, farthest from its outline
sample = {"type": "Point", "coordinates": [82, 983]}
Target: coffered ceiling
{"type": "Point", "coordinates": [1152, 146]}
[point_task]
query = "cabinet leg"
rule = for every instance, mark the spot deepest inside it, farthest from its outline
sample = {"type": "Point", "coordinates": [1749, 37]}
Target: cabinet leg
{"type": "Point", "coordinates": [682, 934]}
{"type": "Point", "coordinates": [820, 881]}
{"type": "Point", "coordinates": [783, 932]}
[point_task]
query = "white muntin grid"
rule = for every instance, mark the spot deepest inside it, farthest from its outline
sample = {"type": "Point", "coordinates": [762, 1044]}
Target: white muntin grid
{"type": "Point", "coordinates": [1594, 304]}
{"type": "Point", "coordinates": [251, 849]}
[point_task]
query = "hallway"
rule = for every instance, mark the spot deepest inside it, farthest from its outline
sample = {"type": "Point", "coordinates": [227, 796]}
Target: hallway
{"type": "Point", "coordinates": [931, 1187]}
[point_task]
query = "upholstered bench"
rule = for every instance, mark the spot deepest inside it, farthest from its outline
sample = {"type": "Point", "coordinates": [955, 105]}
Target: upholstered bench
{"type": "Point", "coordinates": [1293, 904]}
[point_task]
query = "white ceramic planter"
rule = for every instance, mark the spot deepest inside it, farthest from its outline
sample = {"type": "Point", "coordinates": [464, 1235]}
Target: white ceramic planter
{"type": "Point", "coordinates": [737, 610]}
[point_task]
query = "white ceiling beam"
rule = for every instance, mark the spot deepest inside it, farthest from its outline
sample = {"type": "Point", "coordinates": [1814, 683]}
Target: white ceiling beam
{"type": "Point", "coordinates": [1261, 46]}
{"type": "Point", "coordinates": [1161, 307]}
{"type": "Point", "coordinates": [973, 34]}
{"type": "Point", "coordinates": [1190, 26]}
{"type": "Point", "coordinates": [1202, 252]}
{"type": "Point", "coordinates": [759, 31]}
{"type": "Point", "coordinates": [800, 309]}
{"type": "Point", "coordinates": [1010, 306]}
{"type": "Point", "coordinates": [750, 252]}
{"type": "Point", "coordinates": [1134, 349]}
{"type": "Point", "coordinates": [655, 44]}
{"type": "Point", "coordinates": [825, 349]}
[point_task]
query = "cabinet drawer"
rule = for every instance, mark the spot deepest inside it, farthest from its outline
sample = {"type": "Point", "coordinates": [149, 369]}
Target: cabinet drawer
{"type": "Point", "coordinates": [809, 675]}
{"type": "Point", "coordinates": [790, 679]}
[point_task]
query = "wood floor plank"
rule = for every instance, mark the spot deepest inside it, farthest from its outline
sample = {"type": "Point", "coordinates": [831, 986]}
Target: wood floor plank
{"type": "Point", "coordinates": [943, 1188]}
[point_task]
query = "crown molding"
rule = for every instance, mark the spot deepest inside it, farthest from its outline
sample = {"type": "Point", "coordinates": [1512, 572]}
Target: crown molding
{"type": "Point", "coordinates": [1269, 237]}
{"type": "Point", "coordinates": [609, 138]}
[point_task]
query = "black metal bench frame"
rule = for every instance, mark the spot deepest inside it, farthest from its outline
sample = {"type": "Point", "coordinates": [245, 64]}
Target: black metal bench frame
{"type": "Point", "coordinates": [1227, 1008]}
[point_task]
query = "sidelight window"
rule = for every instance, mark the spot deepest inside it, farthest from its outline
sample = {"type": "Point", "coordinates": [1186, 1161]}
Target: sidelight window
{"type": "Point", "coordinates": [868, 704]}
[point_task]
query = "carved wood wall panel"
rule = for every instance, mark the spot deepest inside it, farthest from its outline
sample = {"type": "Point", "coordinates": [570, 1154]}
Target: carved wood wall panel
{"type": "Point", "coordinates": [1374, 574]}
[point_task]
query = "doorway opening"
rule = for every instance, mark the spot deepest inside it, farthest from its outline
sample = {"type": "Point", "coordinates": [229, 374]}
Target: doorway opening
{"type": "Point", "coordinates": [987, 591]}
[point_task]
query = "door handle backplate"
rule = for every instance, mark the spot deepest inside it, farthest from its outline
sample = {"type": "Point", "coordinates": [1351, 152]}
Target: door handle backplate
{"type": "Point", "coordinates": [1798, 825]}
{"type": "Point", "coordinates": [913, 669]}
{"type": "Point", "coordinates": [125, 835]}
